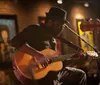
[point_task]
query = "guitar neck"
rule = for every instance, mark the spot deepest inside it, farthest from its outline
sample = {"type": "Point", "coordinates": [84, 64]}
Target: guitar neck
{"type": "Point", "coordinates": [62, 57]}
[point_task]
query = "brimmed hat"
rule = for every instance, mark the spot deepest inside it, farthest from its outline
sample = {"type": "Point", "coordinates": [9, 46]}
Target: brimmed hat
{"type": "Point", "coordinates": [57, 13]}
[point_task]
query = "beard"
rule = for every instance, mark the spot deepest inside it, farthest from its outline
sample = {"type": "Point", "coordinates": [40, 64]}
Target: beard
{"type": "Point", "coordinates": [57, 31]}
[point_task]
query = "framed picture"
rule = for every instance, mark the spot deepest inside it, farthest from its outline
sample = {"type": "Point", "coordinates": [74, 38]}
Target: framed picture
{"type": "Point", "coordinates": [8, 29]}
{"type": "Point", "coordinates": [10, 23]}
{"type": "Point", "coordinates": [87, 36]}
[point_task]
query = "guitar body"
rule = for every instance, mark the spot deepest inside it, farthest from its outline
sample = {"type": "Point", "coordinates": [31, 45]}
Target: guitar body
{"type": "Point", "coordinates": [25, 66]}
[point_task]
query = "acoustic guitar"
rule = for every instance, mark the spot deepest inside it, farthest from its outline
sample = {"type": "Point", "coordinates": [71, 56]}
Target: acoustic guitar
{"type": "Point", "coordinates": [26, 67]}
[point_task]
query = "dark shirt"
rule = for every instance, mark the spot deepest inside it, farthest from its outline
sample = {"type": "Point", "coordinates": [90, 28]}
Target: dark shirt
{"type": "Point", "coordinates": [37, 36]}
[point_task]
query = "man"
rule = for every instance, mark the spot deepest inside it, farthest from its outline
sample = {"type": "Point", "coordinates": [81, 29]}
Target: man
{"type": "Point", "coordinates": [35, 38]}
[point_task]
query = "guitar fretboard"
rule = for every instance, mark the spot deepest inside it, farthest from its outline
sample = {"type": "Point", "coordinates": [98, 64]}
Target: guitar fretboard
{"type": "Point", "coordinates": [62, 57]}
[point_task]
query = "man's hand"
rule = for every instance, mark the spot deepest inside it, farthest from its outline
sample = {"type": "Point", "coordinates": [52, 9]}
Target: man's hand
{"type": "Point", "coordinates": [85, 55]}
{"type": "Point", "coordinates": [42, 59]}
{"type": "Point", "coordinates": [92, 54]}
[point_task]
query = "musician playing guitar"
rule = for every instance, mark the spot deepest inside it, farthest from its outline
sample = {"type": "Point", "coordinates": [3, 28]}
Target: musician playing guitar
{"type": "Point", "coordinates": [36, 46]}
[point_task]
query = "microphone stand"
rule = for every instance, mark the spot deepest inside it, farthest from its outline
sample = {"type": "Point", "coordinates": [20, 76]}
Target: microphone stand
{"type": "Point", "coordinates": [80, 37]}
{"type": "Point", "coordinates": [69, 43]}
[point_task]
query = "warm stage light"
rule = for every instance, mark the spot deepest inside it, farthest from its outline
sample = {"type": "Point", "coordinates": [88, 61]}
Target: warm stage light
{"type": "Point", "coordinates": [79, 16]}
{"type": "Point", "coordinates": [59, 1]}
{"type": "Point", "coordinates": [86, 4]}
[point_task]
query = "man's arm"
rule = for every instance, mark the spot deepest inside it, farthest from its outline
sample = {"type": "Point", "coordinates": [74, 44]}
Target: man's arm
{"type": "Point", "coordinates": [40, 58]}
{"type": "Point", "coordinates": [29, 50]}
{"type": "Point", "coordinates": [19, 40]}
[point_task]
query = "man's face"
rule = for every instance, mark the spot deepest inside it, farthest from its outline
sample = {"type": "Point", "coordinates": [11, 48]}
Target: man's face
{"type": "Point", "coordinates": [56, 27]}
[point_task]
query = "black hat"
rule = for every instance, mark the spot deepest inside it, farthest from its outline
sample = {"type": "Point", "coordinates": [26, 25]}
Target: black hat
{"type": "Point", "coordinates": [57, 13]}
